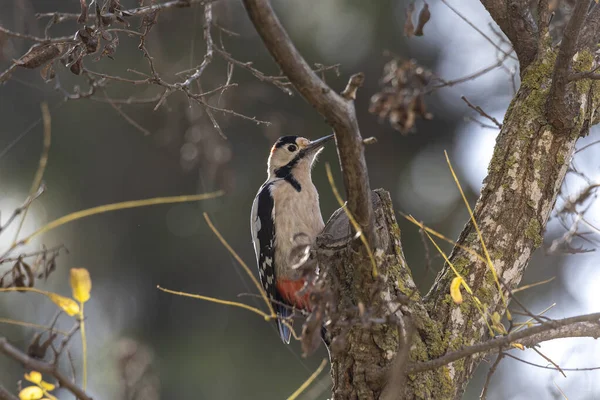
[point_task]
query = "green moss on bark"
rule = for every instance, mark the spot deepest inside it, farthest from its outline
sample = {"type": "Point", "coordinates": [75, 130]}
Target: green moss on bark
{"type": "Point", "coordinates": [534, 232]}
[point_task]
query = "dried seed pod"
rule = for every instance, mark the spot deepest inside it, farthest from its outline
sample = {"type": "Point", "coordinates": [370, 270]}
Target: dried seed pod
{"type": "Point", "coordinates": [401, 100]}
{"type": "Point", "coordinates": [424, 16]}
{"type": "Point", "coordinates": [38, 55]}
{"type": "Point", "coordinates": [47, 72]}
{"type": "Point", "coordinates": [77, 66]}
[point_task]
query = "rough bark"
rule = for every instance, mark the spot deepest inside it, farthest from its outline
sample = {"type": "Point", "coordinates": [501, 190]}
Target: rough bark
{"type": "Point", "coordinates": [375, 318]}
{"type": "Point", "coordinates": [362, 350]}
{"type": "Point", "coordinates": [529, 164]}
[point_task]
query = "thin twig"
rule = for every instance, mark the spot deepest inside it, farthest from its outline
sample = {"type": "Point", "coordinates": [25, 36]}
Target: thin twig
{"type": "Point", "coordinates": [39, 174]}
{"type": "Point", "coordinates": [208, 18]}
{"type": "Point", "coordinates": [552, 368]}
{"type": "Point", "coordinates": [64, 39]}
{"type": "Point", "coordinates": [126, 117]}
{"type": "Point", "coordinates": [488, 378]}
{"type": "Point", "coordinates": [468, 77]}
{"type": "Point", "coordinates": [43, 367]}
{"type": "Point", "coordinates": [6, 395]}
{"type": "Point", "coordinates": [558, 368]}
{"type": "Point", "coordinates": [481, 112]}
{"type": "Point", "coordinates": [133, 12]}
{"type": "Point", "coordinates": [472, 25]}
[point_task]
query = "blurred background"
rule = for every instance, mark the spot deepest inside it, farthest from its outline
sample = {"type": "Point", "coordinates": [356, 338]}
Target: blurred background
{"type": "Point", "coordinates": [202, 350]}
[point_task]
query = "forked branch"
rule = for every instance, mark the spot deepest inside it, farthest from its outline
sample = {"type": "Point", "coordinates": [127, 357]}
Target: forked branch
{"type": "Point", "coordinates": [41, 366]}
{"type": "Point", "coordinates": [337, 110]}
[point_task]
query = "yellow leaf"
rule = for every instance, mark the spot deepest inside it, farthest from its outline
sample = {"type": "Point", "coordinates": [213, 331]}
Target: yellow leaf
{"type": "Point", "coordinates": [81, 284]}
{"type": "Point", "coordinates": [496, 317]}
{"type": "Point", "coordinates": [68, 305]}
{"type": "Point", "coordinates": [31, 393]}
{"type": "Point", "coordinates": [34, 377]}
{"type": "Point", "coordinates": [455, 290]}
{"type": "Point", "coordinates": [47, 386]}
{"type": "Point", "coordinates": [518, 346]}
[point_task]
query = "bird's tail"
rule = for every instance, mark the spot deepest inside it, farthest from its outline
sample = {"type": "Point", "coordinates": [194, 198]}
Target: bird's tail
{"type": "Point", "coordinates": [284, 330]}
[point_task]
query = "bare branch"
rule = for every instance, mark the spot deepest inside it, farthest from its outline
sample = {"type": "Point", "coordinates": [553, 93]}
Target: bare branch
{"type": "Point", "coordinates": [523, 31]}
{"type": "Point", "coordinates": [481, 112]}
{"type": "Point", "coordinates": [580, 326]}
{"type": "Point", "coordinates": [337, 111]}
{"type": "Point", "coordinates": [490, 373]}
{"type": "Point", "coordinates": [472, 25]}
{"type": "Point", "coordinates": [6, 395]}
{"type": "Point", "coordinates": [43, 367]}
{"type": "Point", "coordinates": [471, 76]}
{"type": "Point", "coordinates": [126, 117]}
{"type": "Point", "coordinates": [555, 110]}
{"type": "Point", "coordinates": [64, 39]}
{"type": "Point", "coordinates": [514, 18]}
{"type": "Point", "coordinates": [545, 357]}
{"type": "Point", "coordinates": [208, 18]}
{"type": "Point", "coordinates": [543, 21]}
{"type": "Point", "coordinates": [552, 368]}
{"type": "Point", "coordinates": [134, 12]}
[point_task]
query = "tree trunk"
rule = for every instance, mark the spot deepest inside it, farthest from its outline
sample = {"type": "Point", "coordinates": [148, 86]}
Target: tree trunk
{"type": "Point", "coordinates": [524, 177]}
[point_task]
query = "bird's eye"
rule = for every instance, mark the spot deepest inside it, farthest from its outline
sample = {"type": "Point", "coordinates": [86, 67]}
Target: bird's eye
{"type": "Point", "coordinates": [292, 147]}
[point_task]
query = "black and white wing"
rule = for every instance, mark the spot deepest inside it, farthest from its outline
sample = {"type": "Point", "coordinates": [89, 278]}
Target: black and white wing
{"type": "Point", "coordinates": [263, 237]}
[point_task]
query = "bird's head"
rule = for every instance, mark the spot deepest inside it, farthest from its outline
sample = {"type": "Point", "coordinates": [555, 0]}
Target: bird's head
{"type": "Point", "coordinates": [294, 154]}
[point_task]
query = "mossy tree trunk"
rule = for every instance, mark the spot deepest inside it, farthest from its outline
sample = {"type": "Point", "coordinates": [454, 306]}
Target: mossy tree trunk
{"type": "Point", "coordinates": [387, 340]}
{"type": "Point", "coordinates": [530, 160]}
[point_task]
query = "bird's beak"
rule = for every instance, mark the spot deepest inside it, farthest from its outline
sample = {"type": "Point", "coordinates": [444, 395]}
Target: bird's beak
{"type": "Point", "coordinates": [317, 144]}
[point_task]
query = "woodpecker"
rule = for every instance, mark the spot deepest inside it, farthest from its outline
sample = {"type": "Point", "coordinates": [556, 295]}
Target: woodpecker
{"type": "Point", "coordinates": [286, 214]}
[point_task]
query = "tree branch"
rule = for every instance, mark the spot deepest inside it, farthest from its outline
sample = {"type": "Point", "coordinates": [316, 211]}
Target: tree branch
{"type": "Point", "coordinates": [580, 326]}
{"type": "Point", "coordinates": [515, 20]}
{"type": "Point", "coordinates": [338, 111]}
{"type": "Point", "coordinates": [133, 12]}
{"type": "Point", "coordinates": [41, 366]}
{"type": "Point", "coordinates": [555, 109]}
{"type": "Point", "coordinates": [523, 31]}
{"type": "Point", "coordinates": [590, 33]}
{"type": "Point", "coordinates": [6, 395]}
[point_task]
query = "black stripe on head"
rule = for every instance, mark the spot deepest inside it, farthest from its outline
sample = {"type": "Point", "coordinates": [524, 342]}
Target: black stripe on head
{"type": "Point", "coordinates": [282, 141]}
{"type": "Point", "coordinates": [285, 172]}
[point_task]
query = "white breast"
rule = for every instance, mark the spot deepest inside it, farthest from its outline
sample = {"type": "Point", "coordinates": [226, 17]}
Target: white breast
{"type": "Point", "coordinates": [298, 220]}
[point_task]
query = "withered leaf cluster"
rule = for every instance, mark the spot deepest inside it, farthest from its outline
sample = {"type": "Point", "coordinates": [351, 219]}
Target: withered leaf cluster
{"type": "Point", "coordinates": [88, 40]}
{"type": "Point", "coordinates": [24, 274]}
{"type": "Point", "coordinates": [401, 100]}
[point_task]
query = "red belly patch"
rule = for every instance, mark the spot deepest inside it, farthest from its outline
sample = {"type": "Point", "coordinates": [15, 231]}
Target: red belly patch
{"type": "Point", "coordinates": [288, 289]}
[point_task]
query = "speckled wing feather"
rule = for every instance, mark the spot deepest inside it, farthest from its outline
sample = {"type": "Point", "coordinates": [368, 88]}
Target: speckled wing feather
{"type": "Point", "coordinates": [263, 236]}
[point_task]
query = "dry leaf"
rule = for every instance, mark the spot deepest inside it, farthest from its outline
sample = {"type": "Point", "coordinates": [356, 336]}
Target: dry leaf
{"type": "Point", "coordinates": [455, 290]}
{"type": "Point", "coordinates": [84, 10]}
{"type": "Point", "coordinates": [47, 72]}
{"type": "Point", "coordinates": [38, 55]}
